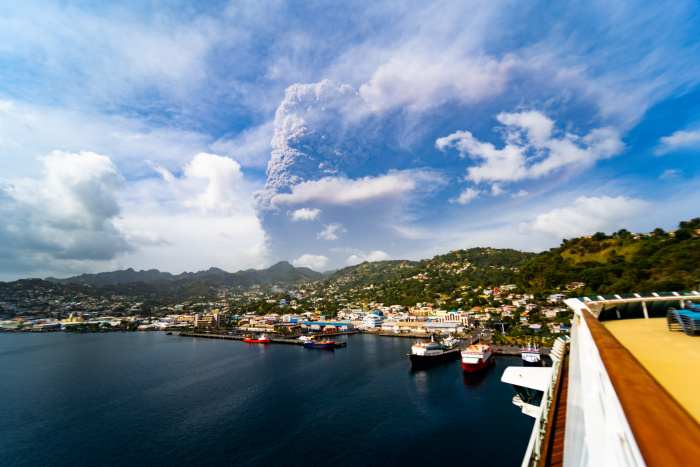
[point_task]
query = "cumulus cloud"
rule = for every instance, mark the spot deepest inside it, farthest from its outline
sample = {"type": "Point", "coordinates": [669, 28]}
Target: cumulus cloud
{"type": "Point", "coordinates": [69, 213]}
{"type": "Point", "coordinates": [315, 262]}
{"type": "Point", "coordinates": [361, 257]}
{"type": "Point", "coordinates": [679, 140]}
{"type": "Point", "coordinates": [588, 216]}
{"type": "Point", "coordinates": [466, 196]}
{"type": "Point", "coordinates": [344, 191]}
{"type": "Point", "coordinates": [331, 231]}
{"type": "Point", "coordinates": [210, 183]}
{"type": "Point", "coordinates": [305, 214]}
{"type": "Point", "coordinates": [533, 149]}
{"type": "Point", "coordinates": [77, 191]}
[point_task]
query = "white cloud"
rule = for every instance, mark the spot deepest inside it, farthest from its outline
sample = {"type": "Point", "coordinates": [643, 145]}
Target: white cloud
{"type": "Point", "coordinates": [27, 131]}
{"type": "Point", "coordinates": [121, 52]}
{"type": "Point", "coordinates": [211, 184]}
{"type": "Point", "coordinates": [223, 176]}
{"type": "Point", "coordinates": [424, 80]}
{"type": "Point", "coordinates": [669, 174]}
{"type": "Point", "coordinates": [77, 191]}
{"type": "Point", "coordinates": [520, 194]}
{"type": "Point", "coordinates": [496, 189]}
{"type": "Point", "coordinates": [305, 214]}
{"type": "Point", "coordinates": [466, 196]}
{"type": "Point", "coordinates": [343, 191]}
{"type": "Point", "coordinates": [331, 231]}
{"type": "Point", "coordinates": [145, 237]}
{"type": "Point", "coordinates": [532, 149]}
{"type": "Point", "coordinates": [251, 148]}
{"type": "Point", "coordinates": [315, 262]}
{"type": "Point", "coordinates": [588, 216]}
{"type": "Point", "coordinates": [679, 140]}
{"type": "Point", "coordinates": [371, 256]}
{"type": "Point", "coordinates": [179, 241]}
{"type": "Point", "coordinates": [69, 214]}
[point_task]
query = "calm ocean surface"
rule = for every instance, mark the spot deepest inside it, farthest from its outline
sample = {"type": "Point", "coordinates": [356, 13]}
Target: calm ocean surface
{"type": "Point", "coordinates": [151, 399]}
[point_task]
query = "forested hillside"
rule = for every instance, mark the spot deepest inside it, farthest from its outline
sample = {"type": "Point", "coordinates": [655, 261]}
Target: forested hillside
{"type": "Point", "coordinates": [620, 263]}
{"type": "Point", "coordinates": [448, 278]}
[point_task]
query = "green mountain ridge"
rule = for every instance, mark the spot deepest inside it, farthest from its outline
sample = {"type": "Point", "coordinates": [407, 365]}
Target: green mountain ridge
{"type": "Point", "coordinates": [282, 272]}
{"type": "Point", "coordinates": [607, 264]}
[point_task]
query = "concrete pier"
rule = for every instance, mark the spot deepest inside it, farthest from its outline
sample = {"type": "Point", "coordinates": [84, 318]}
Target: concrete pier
{"type": "Point", "coordinates": [516, 350]}
{"type": "Point", "coordinates": [273, 340]}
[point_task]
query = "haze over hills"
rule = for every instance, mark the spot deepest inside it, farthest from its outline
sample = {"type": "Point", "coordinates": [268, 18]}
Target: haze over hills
{"type": "Point", "coordinates": [282, 272]}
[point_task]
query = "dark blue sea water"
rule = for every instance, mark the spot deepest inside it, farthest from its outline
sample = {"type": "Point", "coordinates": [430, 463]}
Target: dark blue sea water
{"type": "Point", "coordinates": [151, 399]}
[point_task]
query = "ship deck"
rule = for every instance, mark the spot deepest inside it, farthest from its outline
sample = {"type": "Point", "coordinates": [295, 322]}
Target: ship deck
{"type": "Point", "coordinates": [672, 358]}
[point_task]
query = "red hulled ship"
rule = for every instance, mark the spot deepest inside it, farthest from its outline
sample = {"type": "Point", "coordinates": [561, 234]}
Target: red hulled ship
{"type": "Point", "coordinates": [477, 357]}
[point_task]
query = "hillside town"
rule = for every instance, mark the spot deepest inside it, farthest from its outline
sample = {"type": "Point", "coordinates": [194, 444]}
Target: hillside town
{"type": "Point", "coordinates": [328, 306]}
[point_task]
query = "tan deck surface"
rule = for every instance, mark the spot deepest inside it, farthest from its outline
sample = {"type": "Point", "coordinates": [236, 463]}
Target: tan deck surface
{"type": "Point", "coordinates": [672, 358]}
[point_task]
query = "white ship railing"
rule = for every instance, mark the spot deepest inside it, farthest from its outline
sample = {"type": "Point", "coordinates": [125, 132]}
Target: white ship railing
{"type": "Point", "coordinates": [534, 447]}
{"type": "Point", "coordinates": [597, 431]}
{"type": "Point", "coordinates": [617, 413]}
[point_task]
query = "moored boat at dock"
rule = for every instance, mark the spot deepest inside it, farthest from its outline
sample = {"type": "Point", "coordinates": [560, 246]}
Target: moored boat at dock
{"type": "Point", "coordinates": [531, 355]}
{"type": "Point", "coordinates": [324, 344]}
{"type": "Point", "coordinates": [257, 340]}
{"type": "Point", "coordinates": [433, 352]}
{"type": "Point", "coordinates": [477, 357]}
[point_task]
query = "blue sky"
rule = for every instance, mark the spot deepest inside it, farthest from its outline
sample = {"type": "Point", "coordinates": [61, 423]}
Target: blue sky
{"type": "Point", "coordinates": [185, 135]}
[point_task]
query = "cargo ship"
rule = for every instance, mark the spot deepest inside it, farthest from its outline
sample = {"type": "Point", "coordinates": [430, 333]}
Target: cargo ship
{"type": "Point", "coordinates": [477, 357]}
{"type": "Point", "coordinates": [433, 352]}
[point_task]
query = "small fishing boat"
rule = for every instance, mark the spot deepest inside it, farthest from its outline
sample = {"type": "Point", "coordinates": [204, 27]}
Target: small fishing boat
{"type": "Point", "coordinates": [257, 340]}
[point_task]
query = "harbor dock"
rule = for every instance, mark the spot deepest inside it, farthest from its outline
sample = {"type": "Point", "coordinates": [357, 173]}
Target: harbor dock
{"type": "Point", "coordinates": [516, 350]}
{"type": "Point", "coordinates": [273, 340]}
